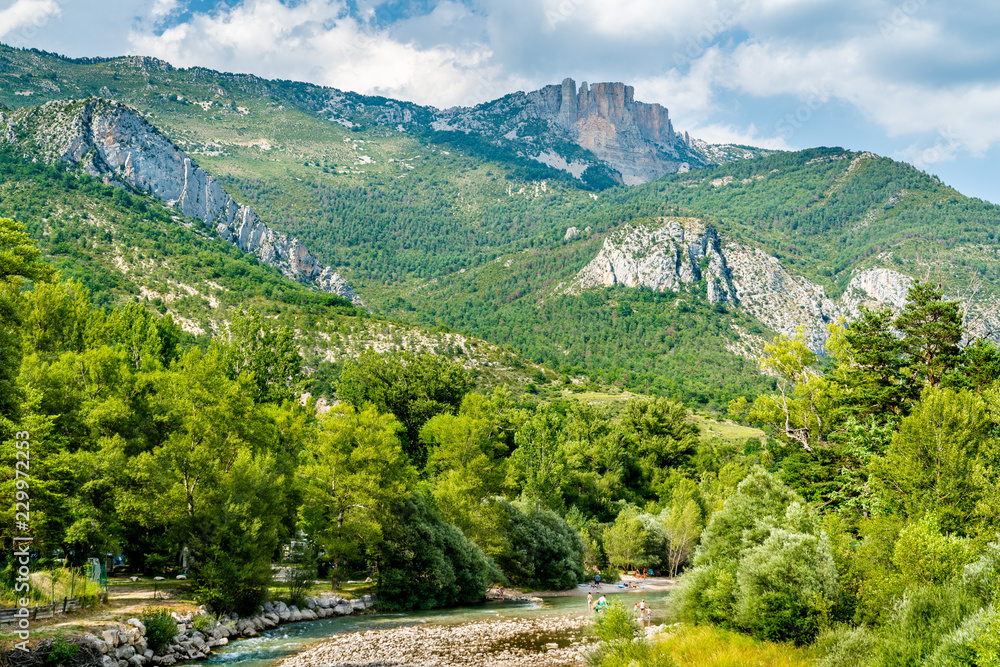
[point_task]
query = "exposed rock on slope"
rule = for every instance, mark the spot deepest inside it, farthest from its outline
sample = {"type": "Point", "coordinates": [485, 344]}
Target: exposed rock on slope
{"type": "Point", "coordinates": [634, 138]}
{"type": "Point", "coordinates": [662, 256]}
{"type": "Point", "coordinates": [675, 254]}
{"type": "Point", "coordinates": [113, 141]}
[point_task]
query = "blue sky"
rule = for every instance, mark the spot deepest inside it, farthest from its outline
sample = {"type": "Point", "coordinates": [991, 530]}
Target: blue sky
{"type": "Point", "coordinates": [917, 80]}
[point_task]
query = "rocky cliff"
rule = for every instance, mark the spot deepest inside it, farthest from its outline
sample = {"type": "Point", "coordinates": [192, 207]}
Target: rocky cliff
{"type": "Point", "coordinates": [677, 254]}
{"type": "Point", "coordinates": [112, 141]}
{"type": "Point", "coordinates": [668, 255]}
{"type": "Point", "coordinates": [604, 120]}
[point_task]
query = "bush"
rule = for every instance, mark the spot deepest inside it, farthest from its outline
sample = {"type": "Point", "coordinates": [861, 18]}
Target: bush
{"type": "Point", "coordinates": [426, 562]}
{"type": "Point", "coordinates": [203, 622]}
{"type": "Point", "coordinates": [786, 587]}
{"type": "Point", "coordinates": [919, 622]}
{"type": "Point", "coordinates": [764, 566]}
{"type": "Point", "coordinates": [537, 548]}
{"type": "Point", "coordinates": [846, 646]}
{"type": "Point", "coordinates": [61, 651]}
{"type": "Point", "coordinates": [160, 628]}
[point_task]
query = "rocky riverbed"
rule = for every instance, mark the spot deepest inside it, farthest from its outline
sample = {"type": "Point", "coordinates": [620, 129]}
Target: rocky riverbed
{"type": "Point", "coordinates": [539, 642]}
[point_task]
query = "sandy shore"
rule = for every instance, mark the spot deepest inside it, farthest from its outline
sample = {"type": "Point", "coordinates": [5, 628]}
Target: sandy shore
{"type": "Point", "coordinates": [647, 585]}
{"type": "Point", "coordinates": [554, 641]}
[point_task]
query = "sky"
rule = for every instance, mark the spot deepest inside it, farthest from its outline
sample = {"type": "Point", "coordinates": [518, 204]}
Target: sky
{"type": "Point", "coordinates": [915, 80]}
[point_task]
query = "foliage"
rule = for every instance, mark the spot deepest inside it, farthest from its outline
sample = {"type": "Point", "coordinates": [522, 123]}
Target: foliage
{"type": "Point", "coordinates": [763, 566]}
{"type": "Point", "coordinates": [414, 388]}
{"type": "Point", "coordinates": [203, 622]}
{"type": "Point", "coordinates": [61, 650]}
{"type": "Point", "coordinates": [161, 628]}
{"type": "Point", "coordinates": [426, 562]}
{"type": "Point", "coordinates": [533, 546]}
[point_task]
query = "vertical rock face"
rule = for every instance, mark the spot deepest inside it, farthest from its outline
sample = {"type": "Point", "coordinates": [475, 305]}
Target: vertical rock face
{"type": "Point", "coordinates": [113, 141]}
{"type": "Point", "coordinates": [635, 139]}
{"type": "Point", "coordinates": [675, 254]}
{"type": "Point", "coordinates": [667, 255]}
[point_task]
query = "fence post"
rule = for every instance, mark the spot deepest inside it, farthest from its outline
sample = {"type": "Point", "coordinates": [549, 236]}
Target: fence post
{"type": "Point", "coordinates": [65, 600]}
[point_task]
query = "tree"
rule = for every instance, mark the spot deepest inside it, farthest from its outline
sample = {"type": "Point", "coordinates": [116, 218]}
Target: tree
{"type": "Point", "coordinates": [414, 388]}
{"type": "Point", "coordinates": [658, 437]}
{"type": "Point", "coordinates": [425, 562]}
{"type": "Point", "coordinates": [19, 263]}
{"type": "Point", "coordinates": [267, 354]}
{"type": "Point", "coordinates": [797, 411]}
{"type": "Point", "coordinates": [467, 454]}
{"type": "Point", "coordinates": [624, 540]}
{"type": "Point", "coordinates": [930, 464]}
{"type": "Point", "coordinates": [932, 329]}
{"type": "Point", "coordinates": [683, 522]}
{"type": "Point", "coordinates": [355, 472]}
{"type": "Point", "coordinates": [537, 467]}
{"type": "Point", "coordinates": [869, 368]}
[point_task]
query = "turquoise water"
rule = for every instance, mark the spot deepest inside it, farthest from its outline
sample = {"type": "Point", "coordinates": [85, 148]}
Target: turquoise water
{"type": "Point", "coordinates": [281, 642]}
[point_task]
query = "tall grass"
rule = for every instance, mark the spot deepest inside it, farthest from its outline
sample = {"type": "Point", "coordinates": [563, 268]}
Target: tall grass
{"type": "Point", "coordinates": [706, 646]}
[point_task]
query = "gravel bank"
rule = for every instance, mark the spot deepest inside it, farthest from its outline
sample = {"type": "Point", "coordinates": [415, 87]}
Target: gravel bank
{"type": "Point", "coordinates": [541, 642]}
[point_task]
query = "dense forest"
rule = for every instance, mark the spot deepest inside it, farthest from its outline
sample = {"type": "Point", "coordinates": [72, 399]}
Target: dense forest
{"type": "Point", "coordinates": [864, 522]}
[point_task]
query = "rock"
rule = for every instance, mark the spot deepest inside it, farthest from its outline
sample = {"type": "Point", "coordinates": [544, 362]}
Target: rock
{"type": "Point", "coordinates": [107, 661]}
{"type": "Point", "coordinates": [158, 579]}
{"type": "Point", "coordinates": [308, 615]}
{"type": "Point", "coordinates": [269, 622]}
{"type": "Point", "coordinates": [258, 623]}
{"type": "Point", "coordinates": [148, 654]}
{"type": "Point", "coordinates": [268, 608]}
{"type": "Point", "coordinates": [280, 606]}
{"type": "Point", "coordinates": [358, 605]}
{"type": "Point", "coordinates": [197, 643]}
{"type": "Point", "coordinates": [295, 616]}
{"type": "Point", "coordinates": [123, 663]}
{"type": "Point", "coordinates": [222, 641]}
{"type": "Point", "coordinates": [324, 602]}
{"type": "Point", "coordinates": [343, 609]}
{"type": "Point", "coordinates": [133, 579]}
{"type": "Point", "coordinates": [110, 637]}
{"type": "Point", "coordinates": [136, 623]}
{"type": "Point", "coordinates": [125, 652]}
{"type": "Point", "coordinates": [570, 233]}
{"type": "Point", "coordinates": [137, 660]}
{"type": "Point", "coordinates": [114, 141]}
{"type": "Point", "coordinates": [181, 577]}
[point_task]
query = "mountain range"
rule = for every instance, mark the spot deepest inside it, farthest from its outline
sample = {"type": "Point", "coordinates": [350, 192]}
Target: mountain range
{"type": "Point", "coordinates": [571, 227]}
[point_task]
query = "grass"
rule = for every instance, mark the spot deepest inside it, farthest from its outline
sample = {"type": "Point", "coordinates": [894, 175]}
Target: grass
{"type": "Point", "coordinates": [708, 646]}
{"type": "Point", "coordinates": [724, 430]}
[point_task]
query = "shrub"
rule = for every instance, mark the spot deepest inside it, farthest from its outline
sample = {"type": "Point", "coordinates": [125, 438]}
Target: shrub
{"type": "Point", "coordinates": [786, 587]}
{"type": "Point", "coordinates": [920, 620]}
{"type": "Point", "coordinates": [160, 627]}
{"type": "Point", "coordinates": [615, 623]}
{"type": "Point", "coordinates": [61, 650]}
{"type": "Point", "coordinates": [203, 622]}
{"type": "Point", "coordinates": [426, 562]}
{"type": "Point", "coordinates": [764, 565]}
{"type": "Point", "coordinates": [846, 646]}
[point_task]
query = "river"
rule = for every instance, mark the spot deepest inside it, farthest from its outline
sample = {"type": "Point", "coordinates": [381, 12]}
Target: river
{"type": "Point", "coordinates": [274, 645]}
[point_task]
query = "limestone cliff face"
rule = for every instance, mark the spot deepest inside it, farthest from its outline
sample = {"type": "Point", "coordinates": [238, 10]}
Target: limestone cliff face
{"type": "Point", "coordinates": [668, 255]}
{"type": "Point", "coordinates": [112, 141]}
{"type": "Point", "coordinates": [635, 139]}
{"type": "Point", "coordinates": [674, 254]}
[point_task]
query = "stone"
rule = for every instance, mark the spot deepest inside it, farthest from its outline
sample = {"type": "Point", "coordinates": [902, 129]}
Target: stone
{"type": "Point", "coordinates": [137, 660]}
{"type": "Point", "coordinates": [158, 579]}
{"type": "Point", "coordinates": [148, 654]}
{"type": "Point", "coordinates": [133, 579]}
{"type": "Point", "coordinates": [125, 652]}
{"type": "Point", "coordinates": [268, 608]}
{"type": "Point", "coordinates": [311, 603]}
{"type": "Point", "coordinates": [137, 624]}
{"type": "Point", "coordinates": [308, 615]}
{"type": "Point", "coordinates": [112, 140]}
{"type": "Point", "coordinates": [110, 637]}
{"type": "Point", "coordinates": [108, 661]}
{"type": "Point", "coordinates": [222, 641]}
{"type": "Point", "coordinates": [358, 605]}
{"type": "Point", "coordinates": [343, 609]}
{"type": "Point", "coordinates": [181, 577]}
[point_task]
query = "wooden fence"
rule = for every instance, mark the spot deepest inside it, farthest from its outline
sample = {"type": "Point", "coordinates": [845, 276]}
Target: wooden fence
{"type": "Point", "coordinates": [42, 611]}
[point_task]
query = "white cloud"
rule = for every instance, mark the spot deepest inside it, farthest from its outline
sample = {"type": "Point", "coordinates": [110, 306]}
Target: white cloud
{"type": "Point", "coordinates": [318, 41]}
{"type": "Point", "coordinates": [27, 16]}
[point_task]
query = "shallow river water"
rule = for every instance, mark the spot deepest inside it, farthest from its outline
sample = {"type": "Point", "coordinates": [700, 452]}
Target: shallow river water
{"type": "Point", "coordinates": [273, 645]}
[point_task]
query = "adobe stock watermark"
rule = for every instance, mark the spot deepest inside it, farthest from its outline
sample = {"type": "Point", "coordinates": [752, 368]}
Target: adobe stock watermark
{"type": "Point", "coordinates": [900, 15]}
{"type": "Point", "coordinates": [815, 99]}
{"type": "Point", "coordinates": [562, 12]}
{"type": "Point", "coordinates": [944, 149]}
{"type": "Point", "coordinates": [39, 14]}
{"type": "Point", "coordinates": [22, 541]}
{"type": "Point", "coordinates": [699, 42]}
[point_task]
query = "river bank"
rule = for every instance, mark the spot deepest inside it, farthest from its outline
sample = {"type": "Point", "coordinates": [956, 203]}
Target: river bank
{"type": "Point", "coordinates": [540, 642]}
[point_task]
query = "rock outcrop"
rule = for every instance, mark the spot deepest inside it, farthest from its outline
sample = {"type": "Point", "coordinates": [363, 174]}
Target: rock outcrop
{"type": "Point", "coordinates": [114, 142]}
{"type": "Point", "coordinates": [676, 254]}
{"type": "Point", "coordinates": [666, 255]}
{"type": "Point", "coordinates": [636, 139]}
